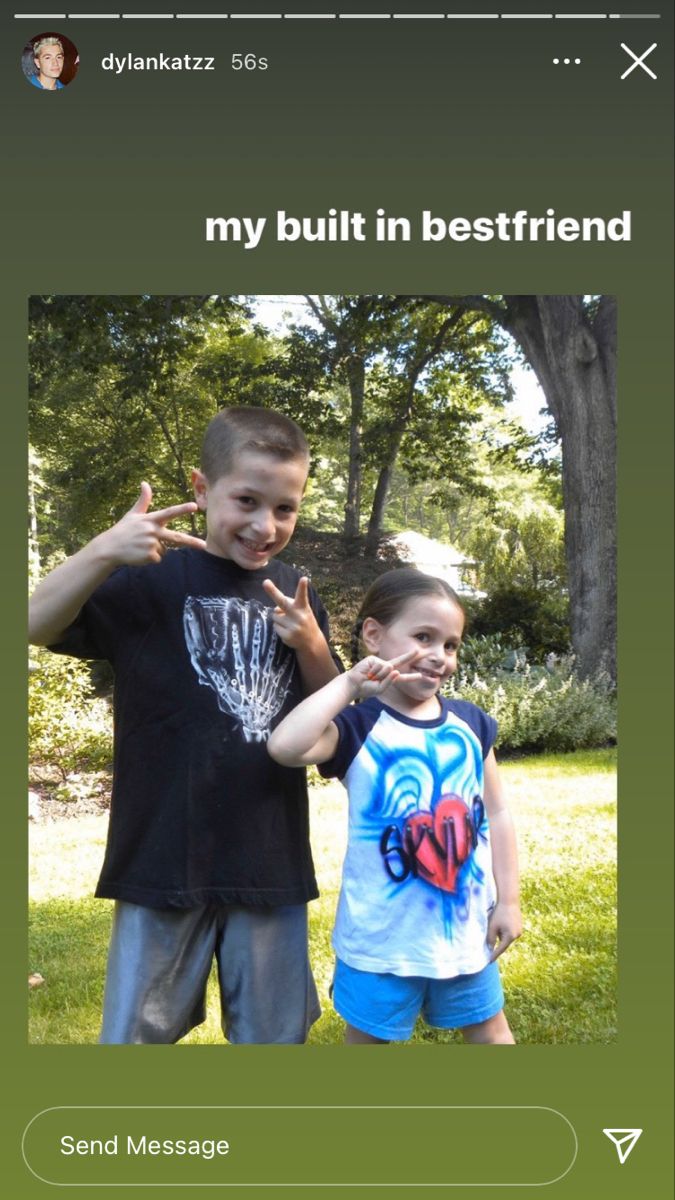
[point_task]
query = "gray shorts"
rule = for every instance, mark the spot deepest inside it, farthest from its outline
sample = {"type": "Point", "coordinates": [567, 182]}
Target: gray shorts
{"type": "Point", "coordinates": [159, 961]}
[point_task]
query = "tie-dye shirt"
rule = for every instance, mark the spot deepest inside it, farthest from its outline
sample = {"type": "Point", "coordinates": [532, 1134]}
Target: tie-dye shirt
{"type": "Point", "coordinates": [417, 885]}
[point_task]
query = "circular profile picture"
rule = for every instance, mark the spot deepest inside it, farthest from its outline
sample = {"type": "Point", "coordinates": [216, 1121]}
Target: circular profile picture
{"type": "Point", "coordinates": [49, 61]}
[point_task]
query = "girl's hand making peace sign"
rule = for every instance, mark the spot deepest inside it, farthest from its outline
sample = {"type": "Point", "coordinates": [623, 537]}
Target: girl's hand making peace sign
{"type": "Point", "coordinates": [373, 675]}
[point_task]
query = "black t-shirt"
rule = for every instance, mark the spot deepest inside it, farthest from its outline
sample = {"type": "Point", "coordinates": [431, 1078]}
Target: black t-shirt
{"type": "Point", "coordinates": [200, 813]}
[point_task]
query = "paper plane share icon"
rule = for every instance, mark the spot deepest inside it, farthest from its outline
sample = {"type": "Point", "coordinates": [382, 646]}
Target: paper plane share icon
{"type": "Point", "coordinates": [624, 1140]}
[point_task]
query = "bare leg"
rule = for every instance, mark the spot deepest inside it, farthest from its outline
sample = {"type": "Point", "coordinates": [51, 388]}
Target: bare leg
{"type": "Point", "coordinates": [356, 1037]}
{"type": "Point", "coordinates": [493, 1032]}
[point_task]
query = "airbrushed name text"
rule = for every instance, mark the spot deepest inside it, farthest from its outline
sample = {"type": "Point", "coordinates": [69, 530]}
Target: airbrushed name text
{"type": "Point", "coordinates": [135, 1147]}
{"type": "Point", "coordinates": [157, 62]}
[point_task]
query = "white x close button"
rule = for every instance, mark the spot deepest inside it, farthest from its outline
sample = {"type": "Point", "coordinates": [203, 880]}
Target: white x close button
{"type": "Point", "coordinates": [638, 60]}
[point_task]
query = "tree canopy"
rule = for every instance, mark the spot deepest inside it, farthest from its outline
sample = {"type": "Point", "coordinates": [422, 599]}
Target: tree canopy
{"type": "Point", "coordinates": [405, 401]}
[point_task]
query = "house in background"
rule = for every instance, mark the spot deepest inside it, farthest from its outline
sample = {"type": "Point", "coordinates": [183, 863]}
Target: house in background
{"type": "Point", "coordinates": [437, 558]}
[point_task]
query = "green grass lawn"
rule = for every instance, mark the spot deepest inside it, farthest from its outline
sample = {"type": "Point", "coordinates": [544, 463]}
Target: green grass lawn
{"type": "Point", "coordinates": [559, 979]}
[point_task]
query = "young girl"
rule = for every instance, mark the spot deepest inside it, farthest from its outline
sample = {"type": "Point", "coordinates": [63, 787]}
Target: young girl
{"type": "Point", "coordinates": [429, 893]}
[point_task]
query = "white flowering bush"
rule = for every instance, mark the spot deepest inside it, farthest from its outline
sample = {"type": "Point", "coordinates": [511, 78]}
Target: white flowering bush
{"type": "Point", "coordinates": [69, 727]}
{"type": "Point", "coordinates": [539, 708]}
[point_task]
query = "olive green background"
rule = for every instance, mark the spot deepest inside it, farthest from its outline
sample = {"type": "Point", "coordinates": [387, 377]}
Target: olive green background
{"type": "Point", "coordinates": [109, 185]}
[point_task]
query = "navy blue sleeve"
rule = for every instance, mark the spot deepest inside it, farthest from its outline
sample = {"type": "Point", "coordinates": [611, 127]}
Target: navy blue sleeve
{"type": "Point", "coordinates": [481, 723]}
{"type": "Point", "coordinates": [353, 725]}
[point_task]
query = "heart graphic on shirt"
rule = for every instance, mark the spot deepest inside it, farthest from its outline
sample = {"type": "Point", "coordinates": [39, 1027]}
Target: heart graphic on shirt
{"type": "Point", "coordinates": [439, 842]}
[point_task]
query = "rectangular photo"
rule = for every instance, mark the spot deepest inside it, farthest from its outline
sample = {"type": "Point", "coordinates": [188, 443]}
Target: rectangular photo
{"type": "Point", "coordinates": [322, 675]}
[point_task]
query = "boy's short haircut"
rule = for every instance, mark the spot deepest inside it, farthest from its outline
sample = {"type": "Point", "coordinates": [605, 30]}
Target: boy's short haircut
{"type": "Point", "coordinates": [260, 430]}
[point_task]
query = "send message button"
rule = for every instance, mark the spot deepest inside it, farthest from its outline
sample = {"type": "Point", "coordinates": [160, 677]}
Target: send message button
{"type": "Point", "coordinates": [303, 1145]}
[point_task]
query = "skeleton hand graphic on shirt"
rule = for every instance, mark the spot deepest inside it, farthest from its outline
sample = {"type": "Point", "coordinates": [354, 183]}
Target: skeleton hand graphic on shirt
{"type": "Point", "coordinates": [235, 651]}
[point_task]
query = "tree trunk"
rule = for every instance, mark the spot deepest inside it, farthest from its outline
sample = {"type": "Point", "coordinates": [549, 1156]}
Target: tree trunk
{"type": "Point", "coordinates": [377, 511]}
{"type": "Point", "coordinates": [573, 355]}
{"type": "Point", "coordinates": [356, 375]}
{"type": "Point", "coordinates": [574, 358]}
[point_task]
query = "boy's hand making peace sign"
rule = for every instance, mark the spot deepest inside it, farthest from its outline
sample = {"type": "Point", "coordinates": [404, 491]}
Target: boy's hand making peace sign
{"type": "Point", "coordinates": [298, 628]}
{"type": "Point", "coordinates": [142, 536]}
{"type": "Point", "coordinates": [139, 537]}
{"type": "Point", "coordinates": [293, 616]}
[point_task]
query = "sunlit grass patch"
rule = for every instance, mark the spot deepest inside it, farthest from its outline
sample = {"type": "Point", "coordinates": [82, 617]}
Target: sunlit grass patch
{"type": "Point", "coordinates": [66, 857]}
{"type": "Point", "coordinates": [559, 979]}
{"type": "Point", "coordinates": [68, 947]}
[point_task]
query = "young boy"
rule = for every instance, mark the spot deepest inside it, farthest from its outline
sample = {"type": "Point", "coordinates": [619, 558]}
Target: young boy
{"type": "Point", "coordinates": [212, 643]}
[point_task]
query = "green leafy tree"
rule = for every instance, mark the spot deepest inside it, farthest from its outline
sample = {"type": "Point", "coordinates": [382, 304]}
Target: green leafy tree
{"type": "Point", "coordinates": [121, 390]}
{"type": "Point", "coordinates": [436, 379]}
{"type": "Point", "coordinates": [415, 381]}
{"type": "Point", "coordinates": [351, 334]}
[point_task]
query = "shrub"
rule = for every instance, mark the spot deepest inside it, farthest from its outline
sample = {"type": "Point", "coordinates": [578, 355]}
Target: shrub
{"type": "Point", "coordinates": [70, 729]}
{"type": "Point", "coordinates": [485, 654]}
{"type": "Point", "coordinates": [542, 710]}
{"type": "Point", "coordinates": [526, 616]}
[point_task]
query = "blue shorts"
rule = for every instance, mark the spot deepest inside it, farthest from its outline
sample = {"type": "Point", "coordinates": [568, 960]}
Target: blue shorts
{"type": "Point", "coordinates": [387, 1006]}
{"type": "Point", "coordinates": [159, 962]}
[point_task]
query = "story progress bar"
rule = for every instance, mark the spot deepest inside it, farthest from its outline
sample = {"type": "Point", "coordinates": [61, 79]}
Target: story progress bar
{"type": "Point", "coordinates": [337, 16]}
